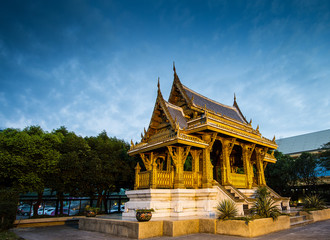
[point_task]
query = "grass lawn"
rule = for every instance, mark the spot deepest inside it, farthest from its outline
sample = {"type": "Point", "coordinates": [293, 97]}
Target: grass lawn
{"type": "Point", "coordinates": [7, 235]}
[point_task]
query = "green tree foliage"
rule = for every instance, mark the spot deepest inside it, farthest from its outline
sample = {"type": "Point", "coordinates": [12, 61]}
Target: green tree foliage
{"type": "Point", "coordinates": [109, 167]}
{"type": "Point", "coordinates": [42, 158]}
{"type": "Point", "coordinates": [67, 175]}
{"type": "Point", "coordinates": [27, 158]}
{"type": "Point", "coordinates": [287, 172]}
{"type": "Point", "coordinates": [32, 159]}
{"type": "Point", "coordinates": [282, 175]}
{"type": "Point", "coordinates": [8, 207]}
{"type": "Point", "coordinates": [305, 166]}
{"type": "Point", "coordinates": [325, 156]}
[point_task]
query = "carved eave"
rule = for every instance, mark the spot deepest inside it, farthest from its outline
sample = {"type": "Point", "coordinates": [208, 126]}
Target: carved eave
{"type": "Point", "coordinates": [270, 158]}
{"type": "Point", "coordinates": [212, 122]}
{"type": "Point", "coordinates": [171, 139]}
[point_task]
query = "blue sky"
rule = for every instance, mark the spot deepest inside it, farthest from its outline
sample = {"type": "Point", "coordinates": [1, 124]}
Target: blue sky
{"type": "Point", "coordinates": [94, 65]}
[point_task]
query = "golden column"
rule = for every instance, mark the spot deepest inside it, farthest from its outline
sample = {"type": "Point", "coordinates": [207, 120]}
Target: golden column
{"type": "Point", "coordinates": [260, 153]}
{"type": "Point", "coordinates": [248, 169]}
{"type": "Point", "coordinates": [137, 180]}
{"type": "Point", "coordinates": [207, 176]}
{"type": "Point", "coordinates": [179, 156]}
{"type": "Point", "coordinates": [195, 165]}
{"type": "Point", "coordinates": [227, 147]}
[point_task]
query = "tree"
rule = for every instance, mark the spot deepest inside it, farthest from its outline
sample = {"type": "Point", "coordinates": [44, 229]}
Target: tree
{"type": "Point", "coordinates": [43, 159]}
{"type": "Point", "coordinates": [27, 159]}
{"type": "Point", "coordinates": [114, 168]}
{"type": "Point", "coordinates": [305, 165]}
{"type": "Point", "coordinates": [325, 156]}
{"type": "Point", "coordinates": [67, 176]}
{"type": "Point", "coordinates": [282, 175]}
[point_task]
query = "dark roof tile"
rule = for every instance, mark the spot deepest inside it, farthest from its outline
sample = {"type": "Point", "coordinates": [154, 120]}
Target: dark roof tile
{"type": "Point", "coordinates": [201, 101]}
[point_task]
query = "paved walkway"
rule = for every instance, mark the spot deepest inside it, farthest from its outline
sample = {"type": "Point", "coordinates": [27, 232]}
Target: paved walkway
{"type": "Point", "coordinates": [319, 231]}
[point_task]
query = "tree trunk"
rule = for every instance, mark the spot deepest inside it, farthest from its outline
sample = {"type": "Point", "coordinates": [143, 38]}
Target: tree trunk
{"type": "Point", "coordinates": [37, 204]}
{"type": "Point", "coordinates": [59, 204]}
{"type": "Point", "coordinates": [99, 199]}
{"type": "Point", "coordinates": [105, 202]}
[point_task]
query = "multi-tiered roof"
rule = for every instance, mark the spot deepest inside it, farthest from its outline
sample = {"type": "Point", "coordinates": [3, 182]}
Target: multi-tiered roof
{"type": "Point", "coordinates": [187, 115]}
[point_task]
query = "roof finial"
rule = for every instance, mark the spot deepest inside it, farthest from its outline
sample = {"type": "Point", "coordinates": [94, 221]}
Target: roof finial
{"type": "Point", "coordinates": [234, 97]}
{"type": "Point", "coordinates": [174, 67]}
{"type": "Point", "coordinates": [158, 85]}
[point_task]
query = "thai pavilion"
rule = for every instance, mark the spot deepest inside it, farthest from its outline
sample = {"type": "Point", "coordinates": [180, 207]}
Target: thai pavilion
{"type": "Point", "coordinates": [195, 153]}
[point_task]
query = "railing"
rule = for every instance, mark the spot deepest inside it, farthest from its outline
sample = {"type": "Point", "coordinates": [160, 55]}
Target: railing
{"type": "Point", "coordinates": [144, 179]}
{"type": "Point", "coordinates": [164, 179]}
{"type": "Point", "coordinates": [188, 179]}
{"type": "Point", "coordinates": [238, 180]}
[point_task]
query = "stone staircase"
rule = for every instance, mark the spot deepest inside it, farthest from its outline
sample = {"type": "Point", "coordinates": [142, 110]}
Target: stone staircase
{"type": "Point", "coordinates": [299, 220]}
{"type": "Point", "coordinates": [232, 193]}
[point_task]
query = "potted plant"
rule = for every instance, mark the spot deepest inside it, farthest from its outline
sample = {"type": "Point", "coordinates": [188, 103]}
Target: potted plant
{"type": "Point", "coordinates": [143, 215]}
{"type": "Point", "coordinates": [91, 211]}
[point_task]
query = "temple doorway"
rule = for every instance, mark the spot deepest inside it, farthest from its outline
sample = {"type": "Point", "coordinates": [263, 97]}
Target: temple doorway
{"type": "Point", "coordinates": [216, 158]}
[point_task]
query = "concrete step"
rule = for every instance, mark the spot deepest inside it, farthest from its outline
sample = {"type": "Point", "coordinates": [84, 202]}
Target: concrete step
{"type": "Point", "coordinates": [301, 223]}
{"type": "Point", "coordinates": [295, 219]}
{"type": "Point", "coordinates": [293, 213]}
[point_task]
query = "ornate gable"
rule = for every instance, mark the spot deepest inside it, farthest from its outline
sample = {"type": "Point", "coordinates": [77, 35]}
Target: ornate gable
{"type": "Point", "coordinates": [165, 118]}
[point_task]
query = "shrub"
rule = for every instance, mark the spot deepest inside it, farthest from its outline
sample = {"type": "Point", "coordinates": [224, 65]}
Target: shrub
{"type": "Point", "coordinates": [8, 208]}
{"type": "Point", "coordinates": [227, 209]}
{"type": "Point", "coordinates": [265, 206]}
{"type": "Point", "coordinates": [313, 202]}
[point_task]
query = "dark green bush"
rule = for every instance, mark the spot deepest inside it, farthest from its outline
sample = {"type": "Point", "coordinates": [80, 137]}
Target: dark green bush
{"type": "Point", "coordinates": [313, 202]}
{"type": "Point", "coordinates": [8, 207]}
{"type": "Point", "coordinates": [227, 210]}
{"type": "Point", "coordinates": [264, 205]}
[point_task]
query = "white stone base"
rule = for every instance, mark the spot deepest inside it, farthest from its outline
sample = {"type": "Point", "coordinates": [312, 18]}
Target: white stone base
{"type": "Point", "coordinates": [186, 202]}
{"type": "Point", "coordinates": [173, 202]}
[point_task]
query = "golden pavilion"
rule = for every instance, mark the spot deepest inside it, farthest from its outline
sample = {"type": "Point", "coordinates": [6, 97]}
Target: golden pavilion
{"type": "Point", "coordinates": [193, 142]}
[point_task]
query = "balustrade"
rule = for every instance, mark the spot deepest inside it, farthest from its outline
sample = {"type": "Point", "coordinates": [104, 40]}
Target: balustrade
{"type": "Point", "coordinates": [238, 180]}
{"type": "Point", "coordinates": [144, 179]}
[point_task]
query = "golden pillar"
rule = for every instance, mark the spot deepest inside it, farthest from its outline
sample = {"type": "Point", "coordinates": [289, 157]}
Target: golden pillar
{"type": "Point", "coordinates": [179, 156]}
{"type": "Point", "coordinates": [137, 171]}
{"type": "Point", "coordinates": [153, 175]}
{"type": "Point", "coordinates": [207, 176]}
{"type": "Point", "coordinates": [168, 162]}
{"type": "Point", "coordinates": [227, 147]}
{"type": "Point", "coordinates": [195, 165]}
{"type": "Point", "coordinates": [248, 169]}
{"type": "Point", "coordinates": [260, 153]}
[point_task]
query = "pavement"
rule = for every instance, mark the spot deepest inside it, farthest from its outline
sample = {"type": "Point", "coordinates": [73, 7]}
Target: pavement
{"type": "Point", "coordinates": [318, 230]}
